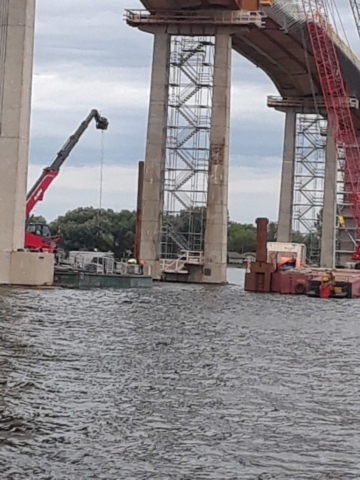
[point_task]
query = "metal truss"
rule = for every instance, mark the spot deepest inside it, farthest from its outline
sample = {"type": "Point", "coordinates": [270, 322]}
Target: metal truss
{"type": "Point", "coordinates": [187, 145]}
{"type": "Point", "coordinates": [309, 181]}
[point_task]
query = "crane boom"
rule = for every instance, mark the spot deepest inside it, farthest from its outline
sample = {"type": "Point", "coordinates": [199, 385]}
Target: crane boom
{"type": "Point", "coordinates": [355, 6]}
{"type": "Point", "coordinates": [36, 194]}
{"type": "Point", "coordinates": [337, 105]}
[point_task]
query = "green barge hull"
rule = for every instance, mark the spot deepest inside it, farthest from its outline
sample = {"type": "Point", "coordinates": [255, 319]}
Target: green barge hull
{"type": "Point", "coordinates": [85, 280]}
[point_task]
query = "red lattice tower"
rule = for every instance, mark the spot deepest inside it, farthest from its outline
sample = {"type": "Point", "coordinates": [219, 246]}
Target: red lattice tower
{"type": "Point", "coordinates": [336, 102]}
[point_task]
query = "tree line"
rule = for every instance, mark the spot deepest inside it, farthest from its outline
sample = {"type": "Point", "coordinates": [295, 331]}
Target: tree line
{"type": "Point", "coordinates": [107, 230]}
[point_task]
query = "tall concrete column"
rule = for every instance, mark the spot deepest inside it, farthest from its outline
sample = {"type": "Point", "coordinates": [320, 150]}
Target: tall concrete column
{"type": "Point", "coordinates": [327, 258]}
{"type": "Point", "coordinates": [287, 179]}
{"type": "Point", "coordinates": [155, 153]}
{"type": "Point", "coordinates": [16, 62]}
{"type": "Point", "coordinates": [215, 248]}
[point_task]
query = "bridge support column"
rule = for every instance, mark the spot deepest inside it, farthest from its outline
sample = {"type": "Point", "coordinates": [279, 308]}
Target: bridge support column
{"type": "Point", "coordinates": [215, 248]}
{"type": "Point", "coordinates": [16, 60]}
{"type": "Point", "coordinates": [287, 179]}
{"type": "Point", "coordinates": [155, 153]}
{"type": "Point", "coordinates": [327, 257]}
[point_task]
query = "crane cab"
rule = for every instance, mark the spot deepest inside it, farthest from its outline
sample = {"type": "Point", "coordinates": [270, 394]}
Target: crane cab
{"type": "Point", "coordinates": [38, 238]}
{"type": "Point", "coordinates": [39, 229]}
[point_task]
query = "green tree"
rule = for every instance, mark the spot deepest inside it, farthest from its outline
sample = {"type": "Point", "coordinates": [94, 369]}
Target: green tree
{"type": "Point", "coordinates": [319, 222]}
{"type": "Point", "coordinates": [272, 231]}
{"type": "Point", "coordinates": [90, 228]}
{"type": "Point", "coordinates": [241, 237]}
{"type": "Point", "coordinates": [188, 227]}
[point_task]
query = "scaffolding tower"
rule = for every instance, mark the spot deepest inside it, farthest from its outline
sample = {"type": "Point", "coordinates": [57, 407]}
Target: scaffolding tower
{"type": "Point", "coordinates": [309, 182]}
{"type": "Point", "coordinates": [345, 236]}
{"type": "Point", "coordinates": [187, 145]}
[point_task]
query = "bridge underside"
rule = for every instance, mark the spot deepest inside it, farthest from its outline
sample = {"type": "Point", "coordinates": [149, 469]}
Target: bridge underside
{"type": "Point", "coordinates": [281, 48]}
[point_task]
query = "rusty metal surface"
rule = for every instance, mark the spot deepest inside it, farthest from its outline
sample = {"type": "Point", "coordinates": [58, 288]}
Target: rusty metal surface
{"type": "Point", "coordinates": [261, 239]}
{"type": "Point", "coordinates": [259, 278]}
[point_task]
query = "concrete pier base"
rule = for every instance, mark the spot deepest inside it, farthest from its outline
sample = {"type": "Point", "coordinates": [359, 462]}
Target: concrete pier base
{"type": "Point", "coordinates": [215, 248]}
{"type": "Point", "coordinates": [284, 233]}
{"type": "Point", "coordinates": [16, 61]}
{"type": "Point", "coordinates": [31, 269]}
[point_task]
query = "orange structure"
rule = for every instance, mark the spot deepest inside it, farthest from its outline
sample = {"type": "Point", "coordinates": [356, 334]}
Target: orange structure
{"type": "Point", "coordinates": [251, 5]}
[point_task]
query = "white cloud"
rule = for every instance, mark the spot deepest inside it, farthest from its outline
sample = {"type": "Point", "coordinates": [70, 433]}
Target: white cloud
{"type": "Point", "coordinates": [80, 187]}
{"type": "Point", "coordinates": [54, 92]}
{"type": "Point", "coordinates": [87, 57]}
{"type": "Point", "coordinates": [250, 193]}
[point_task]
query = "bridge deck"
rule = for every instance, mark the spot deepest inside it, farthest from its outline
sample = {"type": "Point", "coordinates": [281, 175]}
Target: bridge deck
{"type": "Point", "coordinates": [281, 49]}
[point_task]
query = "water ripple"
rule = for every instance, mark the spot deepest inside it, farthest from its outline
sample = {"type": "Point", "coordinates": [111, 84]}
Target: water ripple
{"type": "Point", "coordinates": [181, 383]}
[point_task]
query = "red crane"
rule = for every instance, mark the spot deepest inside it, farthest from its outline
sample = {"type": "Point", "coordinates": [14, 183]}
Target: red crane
{"type": "Point", "coordinates": [38, 236]}
{"type": "Point", "coordinates": [337, 106]}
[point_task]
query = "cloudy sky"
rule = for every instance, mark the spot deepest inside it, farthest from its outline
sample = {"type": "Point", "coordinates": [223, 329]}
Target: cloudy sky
{"type": "Point", "coordinates": [86, 57]}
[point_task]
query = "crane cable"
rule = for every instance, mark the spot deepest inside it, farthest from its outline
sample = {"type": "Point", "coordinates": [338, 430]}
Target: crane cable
{"type": "Point", "coordinates": [101, 181]}
{"type": "Point", "coordinates": [101, 170]}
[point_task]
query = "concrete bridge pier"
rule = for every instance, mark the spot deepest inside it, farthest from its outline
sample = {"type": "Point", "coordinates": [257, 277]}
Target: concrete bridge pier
{"type": "Point", "coordinates": [155, 153]}
{"type": "Point", "coordinates": [287, 178]}
{"type": "Point", "coordinates": [16, 60]}
{"type": "Point", "coordinates": [215, 248]}
{"type": "Point", "coordinates": [327, 256]}
{"type": "Point", "coordinates": [215, 242]}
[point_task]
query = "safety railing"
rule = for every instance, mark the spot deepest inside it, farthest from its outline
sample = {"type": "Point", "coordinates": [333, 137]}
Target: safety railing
{"type": "Point", "coordinates": [302, 102]}
{"type": "Point", "coordinates": [178, 265]}
{"type": "Point", "coordinates": [122, 268]}
{"type": "Point", "coordinates": [109, 266]}
{"type": "Point", "coordinates": [172, 266]}
{"type": "Point", "coordinates": [241, 17]}
{"type": "Point", "coordinates": [294, 102]}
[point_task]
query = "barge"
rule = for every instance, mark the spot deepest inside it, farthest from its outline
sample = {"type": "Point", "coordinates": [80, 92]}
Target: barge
{"type": "Point", "coordinates": [281, 268]}
{"type": "Point", "coordinates": [86, 270]}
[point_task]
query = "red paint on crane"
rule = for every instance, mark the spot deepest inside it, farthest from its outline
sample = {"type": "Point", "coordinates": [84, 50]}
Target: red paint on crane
{"type": "Point", "coordinates": [337, 105]}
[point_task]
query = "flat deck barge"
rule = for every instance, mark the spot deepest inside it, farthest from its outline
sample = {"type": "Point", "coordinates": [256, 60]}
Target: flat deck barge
{"type": "Point", "coordinates": [281, 268]}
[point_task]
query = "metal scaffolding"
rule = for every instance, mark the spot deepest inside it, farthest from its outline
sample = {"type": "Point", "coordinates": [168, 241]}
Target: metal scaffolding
{"type": "Point", "coordinates": [309, 182]}
{"type": "Point", "coordinates": [309, 192]}
{"type": "Point", "coordinates": [187, 145]}
{"type": "Point", "coordinates": [345, 237]}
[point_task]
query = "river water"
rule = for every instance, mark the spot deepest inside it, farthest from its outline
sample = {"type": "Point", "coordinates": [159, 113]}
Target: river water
{"type": "Point", "coordinates": [180, 382]}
